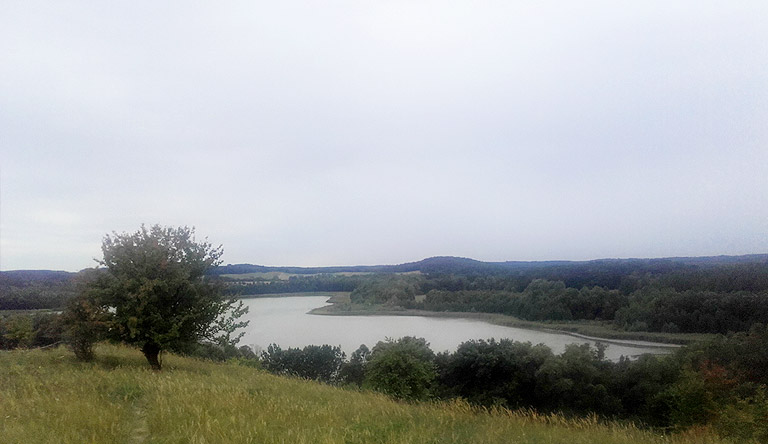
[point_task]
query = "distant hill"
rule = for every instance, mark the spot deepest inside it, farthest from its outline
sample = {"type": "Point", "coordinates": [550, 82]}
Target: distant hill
{"type": "Point", "coordinates": [22, 277]}
{"type": "Point", "coordinates": [35, 289]}
{"type": "Point", "coordinates": [446, 265]}
{"type": "Point", "coordinates": [461, 265]}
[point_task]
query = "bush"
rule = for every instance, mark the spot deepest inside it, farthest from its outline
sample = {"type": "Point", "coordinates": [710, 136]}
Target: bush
{"type": "Point", "coordinates": [403, 369]}
{"type": "Point", "coordinates": [495, 373]}
{"type": "Point", "coordinates": [219, 352]}
{"type": "Point", "coordinates": [85, 321]}
{"type": "Point", "coordinates": [30, 330]}
{"type": "Point", "coordinates": [353, 372]}
{"type": "Point", "coordinates": [317, 362]}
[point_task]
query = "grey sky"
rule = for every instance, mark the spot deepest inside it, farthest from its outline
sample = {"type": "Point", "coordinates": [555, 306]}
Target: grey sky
{"type": "Point", "coordinates": [357, 132]}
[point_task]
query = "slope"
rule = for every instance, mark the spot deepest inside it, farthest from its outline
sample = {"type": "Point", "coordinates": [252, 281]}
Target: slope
{"type": "Point", "coordinates": [47, 397]}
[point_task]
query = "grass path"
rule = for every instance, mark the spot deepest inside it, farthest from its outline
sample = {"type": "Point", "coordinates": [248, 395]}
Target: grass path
{"type": "Point", "coordinates": [140, 428]}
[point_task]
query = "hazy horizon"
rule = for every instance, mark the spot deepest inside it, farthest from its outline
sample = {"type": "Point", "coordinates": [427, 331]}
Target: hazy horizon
{"type": "Point", "coordinates": [430, 257]}
{"type": "Point", "coordinates": [358, 133]}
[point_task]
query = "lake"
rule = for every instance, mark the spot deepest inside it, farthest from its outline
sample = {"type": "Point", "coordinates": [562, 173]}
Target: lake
{"type": "Point", "coordinates": [285, 321]}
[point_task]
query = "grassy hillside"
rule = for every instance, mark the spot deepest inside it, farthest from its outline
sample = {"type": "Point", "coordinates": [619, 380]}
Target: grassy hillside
{"type": "Point", "coordinates": [47, 397]}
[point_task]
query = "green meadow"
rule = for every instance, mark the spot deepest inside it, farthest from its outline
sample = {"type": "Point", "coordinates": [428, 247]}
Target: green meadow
{"type": "Point", "coordinates": [284, 276]}
{"type": "Point", "coordinates": [48, 397]}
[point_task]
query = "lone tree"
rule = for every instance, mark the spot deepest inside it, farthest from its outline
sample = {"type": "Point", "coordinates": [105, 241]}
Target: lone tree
{"type": "Point", "coordinates": [158, 295]}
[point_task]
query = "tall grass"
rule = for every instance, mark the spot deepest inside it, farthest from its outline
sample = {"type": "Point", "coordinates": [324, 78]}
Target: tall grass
{"type": "Point", "coordinates": [47, 397]}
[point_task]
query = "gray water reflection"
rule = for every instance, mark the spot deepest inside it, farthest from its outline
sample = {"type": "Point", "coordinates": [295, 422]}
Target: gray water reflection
{"type": "Point", "coordinates": [284, 321]}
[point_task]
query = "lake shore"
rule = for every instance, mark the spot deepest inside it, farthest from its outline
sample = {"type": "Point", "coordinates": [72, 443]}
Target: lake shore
{"type": "Point", "coordinates": [341, 306]}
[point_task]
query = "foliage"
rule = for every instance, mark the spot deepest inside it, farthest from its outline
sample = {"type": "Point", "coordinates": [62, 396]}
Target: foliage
{"type": "Point", "coordinates": [35, 290]}
{"type": "Point", "coordinates": [578, 381]}
{"type": "Point", "coordinates": [640, 386]}
{"type": "Point", "coordinates": [157, 294]}
{"type": "Point", "coordinates": [118, 400]}
{"type": "Point", "coordinates": [519, 375]}
{"type": "Point", "coordinates": [394, 289]}
{"type": "Point", "coordinates": [494, 373]}
{"type": "Point", "coordinates": [685, 295]}
{"type": "Point", "coordinates": [353, 371]}
{"type": "Point", "coordinates": [540, 300]}
{"type": "Point", "coordinates": [647, 309]}
{"type": "Point", "coordinates": [722, 274]}
{"type": "Point", "coordinates": [724, 383]}
{"type": "Point", "coordinates": [30, 330]}
{"type": "Point", "coordinates": [317, 362]}
{"type": "Point", "coordinates": [402, 369]}
{"type": "Point", "coordinates": [85, 319]}
{"type": "Point", "coordinates": [220, 353]}
{"type": "Point", "coordinates": [746, 419]}
{"type": "Point", "coordinates": [19, 331]}
{"type": "Point", "coordinates": [704, 385]}
{"type": "Point", "coordinates": [694, 311]}
{"type": "Point", "coordinates": [690, 401]}
{"type": "Point", "coordinates": [701, 386]}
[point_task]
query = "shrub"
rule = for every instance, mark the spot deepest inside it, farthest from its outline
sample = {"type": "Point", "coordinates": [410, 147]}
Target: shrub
{"type": "Point", "coordinates": [403, 369]}
{"type": "Point", "coordinates": [316, 362]}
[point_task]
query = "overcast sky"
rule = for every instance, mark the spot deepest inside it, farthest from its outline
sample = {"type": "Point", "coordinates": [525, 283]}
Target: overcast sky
{"type": "Point", "coordinates": [381, 132]}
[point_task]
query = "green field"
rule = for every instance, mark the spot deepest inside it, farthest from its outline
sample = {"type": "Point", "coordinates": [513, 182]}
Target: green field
{"type": "Point", "coordinates": [282, 276]}
{"type": "Point", "coordinates": [47, 397]}
{"type": "Point", "coordinates": [330, 294]}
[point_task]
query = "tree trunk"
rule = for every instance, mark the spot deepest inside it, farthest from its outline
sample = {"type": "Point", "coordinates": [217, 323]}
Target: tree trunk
{"type": "Point", "coordinates": [151, 351]}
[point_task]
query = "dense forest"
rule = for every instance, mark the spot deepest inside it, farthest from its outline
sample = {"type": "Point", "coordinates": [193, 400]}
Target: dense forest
{"type": "Point", "coordinates": [35, 289]}
{"type": "Point", "coordinates": [643, 295]}
{"type": "Point", "coordinates": [600, 272]}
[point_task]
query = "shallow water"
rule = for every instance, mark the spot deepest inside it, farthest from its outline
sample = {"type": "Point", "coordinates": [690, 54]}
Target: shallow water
{"type": "Point", "coordinates": [284, 321]}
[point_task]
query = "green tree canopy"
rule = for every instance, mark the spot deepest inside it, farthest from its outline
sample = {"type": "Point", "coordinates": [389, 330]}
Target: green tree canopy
{"type": "Point", "coordinates": [403, 369]}
{"type": "Point", "coordinates": [157, 293]}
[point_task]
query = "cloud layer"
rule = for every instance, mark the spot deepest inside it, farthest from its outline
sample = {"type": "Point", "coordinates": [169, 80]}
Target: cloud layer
{"type": "Point", "coordinates": [309, 133]}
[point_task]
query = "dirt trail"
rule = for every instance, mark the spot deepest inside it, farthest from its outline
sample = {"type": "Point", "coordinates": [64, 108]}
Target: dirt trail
{"type": "Point", "coordinates": [140, 429]}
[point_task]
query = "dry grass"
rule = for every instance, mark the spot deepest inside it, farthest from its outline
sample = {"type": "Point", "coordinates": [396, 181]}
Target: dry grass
{"type": "Point", "coordinates": [47, 397]}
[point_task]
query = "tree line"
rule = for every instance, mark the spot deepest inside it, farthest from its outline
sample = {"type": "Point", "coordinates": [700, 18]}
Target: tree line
{"type": "Point", "coordinates": [35, 290]}
{"type": "Point", "coordinates": [690, 306]}
{"type": "Point", "coordinates": [713, 295]}
{"type": "Point", "coordinates": [721, 383]}
{"type": "Point", "coordinates": [713, 299]}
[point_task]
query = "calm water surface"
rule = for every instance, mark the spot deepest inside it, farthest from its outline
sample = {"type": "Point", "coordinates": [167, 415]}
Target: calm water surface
{"type": "Point", "coordinates": [284, 321]}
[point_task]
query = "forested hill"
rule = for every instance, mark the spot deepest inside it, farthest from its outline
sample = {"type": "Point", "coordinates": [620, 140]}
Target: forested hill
{"type": "Point", "coordinates": [44, 289]}
{"type": "Point", "coordinates": [25, 277]}
{"type": "Point", "coordinates": [437, 264]}
{"type": "Point", "coordinates": [460, 265]}
{"type": "Point", "coordinates": [445, 264]}
{"type": "Point", "coordinates": [35, 289]}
